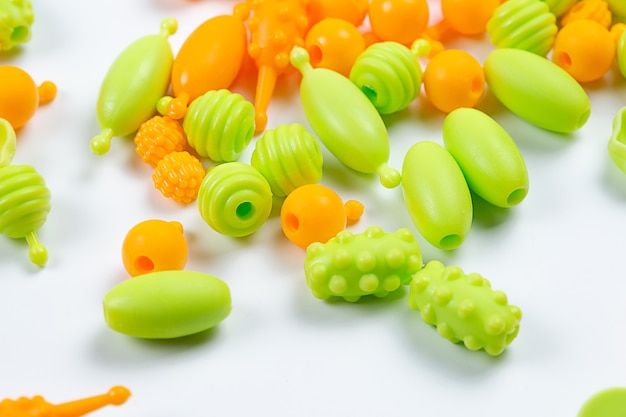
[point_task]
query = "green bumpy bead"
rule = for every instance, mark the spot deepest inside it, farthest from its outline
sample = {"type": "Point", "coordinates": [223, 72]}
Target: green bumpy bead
{"type": "Point", "coordinates": [288, 157]}
{"type": "Point", "coordinates": [234, 199]}
{"type": "Point", "coordinates": [490, 160]}
{"type": "Point", "coordinates": [537, 90]}
{"type": "Point", "coordinates": [354, 265]}
{"type": "Point", "coordinates": [464, 308]}
{"type": "Point", "coordinates": [389, 75]}
{"type": "Point", "coordinates": [559, 7]}
{"type": "Point", "coordinates": [523, 24]}
{"type": "Point", "coordinates": [167, 304]}
{"type": "Point", "coordinates": [617, 142]}
{"type": "Point", "coordinates": [219, 125]}
{"type": "Point", "coordinates": [436, 195]}
{"type": "Point", "coordinates": [16, 18]}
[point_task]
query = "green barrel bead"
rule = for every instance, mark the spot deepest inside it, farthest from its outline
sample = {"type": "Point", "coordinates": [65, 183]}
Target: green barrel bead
{"type": "Point", "coordinates": [537, 90]}
{"type": "Point", "coordinates": [288, 157]}
{"type": "Point", "coordinates": [16, 18]}
{"type": "Point", "coordinates": [8, 143]}
{"type": "Point", "coordinates": [351, 266]}
{"type": "Point", "coordinates": [559, 7]}
{"type": "Point", "coordinates": [436, 195]}
{"type": "Point", "coordinates": [491, 162]}
{"type": "Point", "coordinates": [523, 24]}
{"type": "Point", "coordinates": [167, 304]}
{"type": "Point", "coordinates": [219, 125]}
{"type": "Point", "coordinates": [133, 85]}
{"type": "Point", "coordinates": [389, 74]}
{"type": "Point", "coordinates": [617, 142]}
{"type": "Point", "coordinates": [464, 308]}
{"type": "Point", "coordinates": [234, 199]}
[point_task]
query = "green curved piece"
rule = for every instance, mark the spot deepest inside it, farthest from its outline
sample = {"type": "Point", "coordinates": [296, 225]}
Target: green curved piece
{"type": "Point", "coordinates": [16, 18]}
{"type": "Point", "coordinates": [617, 142]}
{"type": "Point", "coordinates": [8, 142]}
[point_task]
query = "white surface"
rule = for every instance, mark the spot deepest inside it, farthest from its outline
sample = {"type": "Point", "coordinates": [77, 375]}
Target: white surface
{"type": "Point", "coordinates": [559, 256]}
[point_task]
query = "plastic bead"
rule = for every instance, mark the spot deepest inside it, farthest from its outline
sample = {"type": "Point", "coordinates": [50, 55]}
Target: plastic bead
{"type": "Point", "coordinates": [288, 157]}
{"type": "Point", "coordinates": [464, 308]}
{"type": "Point", "coordinates": [15, 22]}
{"type": "Point", "coordinates": [489, 158]}
{"type": "Point", "coordinates": [158, 137]}
{"type": "Point", "coordinates": [468, 17]}
{"type": "Point", "coordinates": [312, 213]}
{"type": "Point", "coordinates": [596, 10]}
{"type": "Point", "coordinates": [178, 176]}
{"type": "Point", "coordinates": [610, 402]}
{"type": "Point", "coordinates": [390, 76]}
{"type": "Point", "coordinates": [234, 199]}
{"type": "Point", "coordinates": [154, 245]}
{"type": "Point", "coordinates": [133, 85]}
{"type": "Point", "coordinates": [355, 265]}
{"type": "Point", "coordinates": [401, 21]}
{"type": "Point", "coordinates": [20, 96]}
{"type": "Point", "coordinates": [618, 7]}
{"type": "Point", "coordinates": [556, 101]}
{"type": "Point", "coordinates": [353, 11]}
{"type": "Point", "coordinates": [436, 195]}
{"type": "Point", "coordinates": [523, 24]}
{"type": "Point", "coordinates": [37, 406]}
{"type": "Point", "coordinates": [617, 142]}
{"type": "Point", "coordinates": [454, 79]}
{"type": "Point", "coordinates": [345, 120]}
{"type": "Point", "coordinates": [559, 7]}
{"type": "Point", "coordinates": [334, 44]}
{"type": "Point", "coordinates": [585, 49]}
{"type": "Point", "coordinates": [219, 125]}
{"type": "Point", "coordinates": [621, 53]}
{"type": "Point", "coordinates": [167, 304]}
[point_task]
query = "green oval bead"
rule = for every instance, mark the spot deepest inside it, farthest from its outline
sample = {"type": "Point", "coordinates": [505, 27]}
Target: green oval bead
{"type": "Point", "coordinates": [15, 21]}
{"type": "Point", "coordinates": [167, 304]}
{"type": "Point", "coordinates": [537, 90]}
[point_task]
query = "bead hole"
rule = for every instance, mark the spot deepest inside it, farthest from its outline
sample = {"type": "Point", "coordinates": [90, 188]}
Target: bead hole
{"type": "Point", "coordinates": [293, 224]}
{"type": "Point", "coordinates": [20, 34]}
{"type": "Point", "coordinates": [370, 93]}
{"type": "Point", "coordinates": [245, 210]}
{"type": "Point", "coordinates": [516, 196]}
{"type": "Point", "coordinates": [477, 85]}
{"type": "Point", "coordinates": [450, 242]}
{"type": "Point", "coordinates": [144, 264]}
{"type": "Point", "coordinates": [563, 60]}
{"type": "Point", "coordinates": [315, 55]}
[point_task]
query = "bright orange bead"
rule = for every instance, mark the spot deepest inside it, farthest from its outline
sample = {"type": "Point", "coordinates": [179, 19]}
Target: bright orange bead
{"type": "Point", "coordinates": [402, 21]}
{"type": "Point", "coordinates": [468, 17]}
{"type": "Point", "coordinates": [158, 137]}
{"type": "Point", "coordinates": [453, 79]}
{"type": "Point", "coordinates": [353, 11]}
{"type": "Point", "coordinates": [154, 245]}
{"type": "Point", "coordinates": [585, 49]}
{"type": "Point", "coordinates": [179, 176]}
{"type": "Point", "coordinates": [20, 96]}
{"type": "Point", "coordinates": [597, 10]}
{"type": "Point", "coordinates": [334, 44]}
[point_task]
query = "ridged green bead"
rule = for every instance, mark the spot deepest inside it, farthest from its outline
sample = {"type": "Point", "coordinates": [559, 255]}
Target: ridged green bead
{"type": "Point", "coordinates": [523, 24]}
{"type": "Point", "coordinates": [234, 199]}
{"type": "Point", "coordinates": [354, 265]}
{"type": "Point", "coordinates": [559, 7]}
{"type": "Point", "coordinates": [464, 308]}
{"type": "Point", "coordinates": [219, 125]}
{"type": "Point", "coordinates": [389, 75]}
{"type": "Point", "coordinates": [16, 18]}
{"type": "Point", "coordinates": [288, 157]}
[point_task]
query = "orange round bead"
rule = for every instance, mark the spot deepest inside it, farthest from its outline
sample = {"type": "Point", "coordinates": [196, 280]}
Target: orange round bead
{"type": "Point", "coordinates": [468, 17]}
{"type": "Point", "coordinates": [20, 96]}
{"type": "Point", "coordinates": [334, 44]}
{"type": "Point", "coordinates": [402, 21]}
{"type": "Point", "coordinates": [353, 11]}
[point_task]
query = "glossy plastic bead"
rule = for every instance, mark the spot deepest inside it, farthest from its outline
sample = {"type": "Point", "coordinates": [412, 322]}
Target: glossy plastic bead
{"type": "Point", "coordinates": [334, 44]}
{"type": "Point", "coordinates": [8, 143]}
{"type": "Point", "coordinates": [314, 213]}
{"type": "Point", "coordinates": [20, 96]}
{"type": "Point", "coordinates": [15, 22]}
{"type": "Point", "coordinates": [436, 195]}
{"type": "Point", "coordinates": [288, 157]}
{"type": "Point", "coordinates": [464, 308]}
{"type": "Point", "coordinates": [133, 85]}
{"type": "Point", "coordinates": [559, 7]}
{"type": "Point", "coordinates": [390, 76]}
{"type": "Point", "coordinates": [617, 142]}
{"type": "Point", "coordinates": [618, 7]}
{"type": "Point", "coordinates": [556, 102]}
{"type": "Point", "coordinates": [523, 24]}
{"type": "Point", "coordinates": [355, 265]}
{"type": "Point", "coordinates": [219, 125]}
{"type": "Point", "coordinates": [468, 17]}
{"type": "Point", "coordinates": [353, 11]}
{"type": "Point", "coordinates": [585, 49]}
{"type": "Point", "coordinates": [491, 162]}
{"type": "Point", "coordinates": [345, 120]}
{"type": "Point", "coordinates": [158, 137]}
{"type": "Point", "coordinates": [401, 21]}
{"type": "Point", "coordinates": [167, 304]}
{"type": "Point", "coordinates": [178, 176]}
{"type": "Point", "coordinates": [621, 53]}
{"type": "Point", "coordinates": [610, 402]}
{"type": "Point", "coordinates": [234, 199]}
{"type": "Point", "coordinates": [453, 79]}
{"type": "Point", "coordinates": [596, 10]}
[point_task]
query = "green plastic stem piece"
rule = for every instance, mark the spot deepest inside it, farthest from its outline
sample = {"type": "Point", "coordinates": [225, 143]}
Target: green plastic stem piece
{"type": "Point", "coordinates": [219, 125]}
{"type": "Point", "coordinates": [133, 85]}
{"type": "Point", "coordinates": [559, 7]}
{"type": "Point", "coordinates": [492, 164]}
{"type": "Point", "coordinates": [537, 90]}
{"type": "Point", "coordinates": [617, 142]}
{"type": "Point", "coordinates": [288, 157]}
{"type": "Point", "coordinates": [167, 304]}
{"type": "Point", "coordinates": [464, 308]}
{"type": "Point", "coordinates": [436, 195]}
{"type": "Point", "coordinates": [344, 119]}
{"type": "Point", "coordinates": [15, 21]}
{"type": "Point", "coordinates": [8, 143]}
{"type": "Point", "coordinates": [354, 265]}
{"type": "Point", "coordinates": [234, 199]}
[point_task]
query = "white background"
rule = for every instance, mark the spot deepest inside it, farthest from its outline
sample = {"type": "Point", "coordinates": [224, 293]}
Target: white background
{"type": "Point", "coordinates": [559, 256]}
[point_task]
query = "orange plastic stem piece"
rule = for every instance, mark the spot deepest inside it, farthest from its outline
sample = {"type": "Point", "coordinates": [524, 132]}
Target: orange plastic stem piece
{"type": "Point", "coordinates": [115, 396]}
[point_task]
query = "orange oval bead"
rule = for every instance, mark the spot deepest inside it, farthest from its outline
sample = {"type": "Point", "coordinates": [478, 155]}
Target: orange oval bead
{"type": "Point", "coordinates": [468, 17]}
{"type": "Point", "coordinates": [402, 21]}
{"type": "Point", "coordinates": [353, 11]}
{"type": "Point", "coordinates": [334, 44]}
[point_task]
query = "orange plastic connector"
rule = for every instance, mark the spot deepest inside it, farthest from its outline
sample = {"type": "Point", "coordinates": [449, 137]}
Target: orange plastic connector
{"type": "Point", "coordinates": [178, 176]}
{"type": "Point", "coordinates": [20, 96]}
{"type": "Point", "coordinates": [37, 406]}
{"type": "Point", "coordinates": [334, 44]}
{"type": "Point", "coordinates": [353, 11]}
{"type": "Point", "coordinates": [401, 21]}
{"type": "Point", "coordinates": [596, 10]}
{"type": "Point", "coordinates": [158, 137]}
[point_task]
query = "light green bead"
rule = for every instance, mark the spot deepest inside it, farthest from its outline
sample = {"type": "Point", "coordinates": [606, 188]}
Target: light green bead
{"type": "Point", "coordinates": [559, 7]}
{"type": "Point", "coordinates": [167, 304]}
{"type": "Point", "coordinates": [8, 142]}
{"type": "Point", "coordinates": [436, 195]}
{"type": "Point", "coordinates": [219, 125]}
{"type": "Point", "coordinates": [621, 53]}
{"type": "Point", "coordinates": [537, 90]}
{"type": "Point", "coordinates": [464, 308]}
{"type": "Point", "coordinates": [618, 7]}
{"type": "Point", "coordinates": [617, 142]}
{"type": "Point", "coordinates": [16, 18]}
{"type": "Point", "coordinates": [489, 158]}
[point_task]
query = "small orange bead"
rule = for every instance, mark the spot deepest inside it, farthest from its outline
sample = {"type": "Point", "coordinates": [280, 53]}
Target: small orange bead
{"type": "Point", "coordinates": [401, 21]}
{"type": "Point", "coordinates": [20, 96]}
{"type": "Point", "coordinates": [353, 11]}
{"type": "Point", "coordinates": [158, 137]}
{"type": "Point", "coordinates": [178, 176]}
{"type": "Point", "coordinates": [334, 44]}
